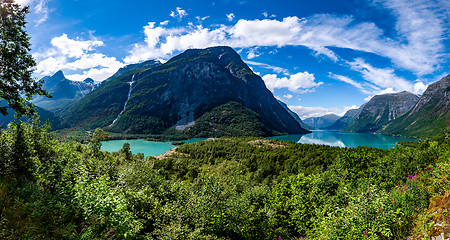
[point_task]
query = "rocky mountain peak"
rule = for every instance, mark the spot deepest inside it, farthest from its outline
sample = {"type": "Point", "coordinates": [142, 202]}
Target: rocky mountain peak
{"type": "Point", "coordinates": [381, 109]}
{"type": "Point", "coordinates": [191, 86]}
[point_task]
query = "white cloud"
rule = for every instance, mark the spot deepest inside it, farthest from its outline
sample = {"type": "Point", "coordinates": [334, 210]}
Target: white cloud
{"type": "Point", "coordinates": [164, 23]}
{"type": "Point", "coordinates": [418, 46]}
{"type": "Point", "coordinates": [270, 67]}
{"type": "Point", "coordinates": [383, 78]}
{"type": "Point", "coordinates": [252, 53]}
{"type": "Point", "coordinates": [39, 8]}
{"type": "Point", "coordinates": [42, 11]}
{"type": "Point", "coordinates": [380, 92]}
{"type": "Point", "coordinates": [202, 18]}
{"type": "Point", "coordinates": [230, 17]}
{"type": "Point", "coordinates": [288, 96]}
{"type": "Point", "coordinates": [298, 83]}
{"type": "Point", "coordinates": [348, 80]}
{"type": "Point", "coordinates": [420, 87]}
{"type": "Point", "coordinates": [422, 24]}
{"type": "Point", "coordinates": [76, 55]}
{"type": "Point", "coordinates": [307, 112]}
{"type": "Point", "coordinates": [23, 2]}
{"type": "Point", "coordinates": [266, 15]}
{"type": "Point", "coordinates": [178, 13]}
{"type": "Point", "coordinates": [74, 48]}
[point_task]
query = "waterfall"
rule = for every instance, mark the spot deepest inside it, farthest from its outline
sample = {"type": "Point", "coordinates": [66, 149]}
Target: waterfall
{"type": "Point", "coordinates": [126, 102]}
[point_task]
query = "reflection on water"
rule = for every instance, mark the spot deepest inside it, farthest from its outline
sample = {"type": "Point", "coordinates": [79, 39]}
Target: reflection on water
{"type": "Point", "coordinates": [339, 139]}
{"type": "Point", "coordinates": [343, 139]}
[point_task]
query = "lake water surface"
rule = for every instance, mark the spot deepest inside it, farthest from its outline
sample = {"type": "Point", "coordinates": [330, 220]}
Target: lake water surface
{"type": "Point", "coordinates": [344, 139]}
{"type": "Point", "coordinates": [332, 138]}
{"type": "Point", "coordinates": [148, 148]}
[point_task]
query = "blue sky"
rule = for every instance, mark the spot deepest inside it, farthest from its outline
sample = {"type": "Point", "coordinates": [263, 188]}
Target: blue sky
{"type": "Point", "coordinates": [319, 57]}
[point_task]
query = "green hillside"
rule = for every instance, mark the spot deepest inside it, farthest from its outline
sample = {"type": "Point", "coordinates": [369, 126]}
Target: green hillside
{"type": "Point", "coordinates": [226, 188]}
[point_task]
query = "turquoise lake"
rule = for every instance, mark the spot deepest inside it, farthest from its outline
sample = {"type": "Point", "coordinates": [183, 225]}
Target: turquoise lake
{"type": "Point", "coordinates": [148, 148]}
{"type": "Point", "coordinates": [344, 139]}
{"type": "Point", "coordinates": [332, 138]}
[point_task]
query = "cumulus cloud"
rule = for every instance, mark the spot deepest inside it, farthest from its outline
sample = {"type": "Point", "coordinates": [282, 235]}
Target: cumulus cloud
{"type": "Point", "coordinates": [74, 48]}
{"type": "Point", "coordinates": [419, 87]}
{"type": "Point", "coordinates": [418, 47]}
{"type": "Point", "coordinates": [299, 83]}
{"type": "Point", "coordinates": [230, 17]}
{"type": "Point", "coordinates": [178, 13]}
{"type": "Point", "coordinates": [252, 53]}
{"type": "Point", "coordinates": [288, 96]}
{"type": "Point", "coordinates": [76, 55]}
{"type": "Point", "coordinates": [307, 112]}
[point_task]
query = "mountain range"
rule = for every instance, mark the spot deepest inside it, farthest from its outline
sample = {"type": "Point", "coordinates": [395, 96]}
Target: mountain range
{"type": "Point", "coordinates": [64, 91]}
{"type": "Point", "coordinates": [201, 92]}
{"type": "Point", "coordinates": [212, 92]}
{"type": "Point", "coordinates": [321, 122]}
{"type": "Point", "coordinates": [430, 116]}
{"type": "Point", "coordinates": [381, 110]}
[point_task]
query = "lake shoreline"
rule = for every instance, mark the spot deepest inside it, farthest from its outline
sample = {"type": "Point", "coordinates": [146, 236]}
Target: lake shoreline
{"type": "Point", "coordinates": [323, 137]}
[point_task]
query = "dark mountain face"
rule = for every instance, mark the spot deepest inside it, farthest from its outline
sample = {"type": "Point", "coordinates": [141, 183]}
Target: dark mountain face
{"type": "Point", "coordinates": [179, 92]}
{"type": "Point", "coordinates": [382, 109]}
{"type": "Point", "coordinates": [321, 122]}
{"type": "Point", "coordinates": [429, 117]}
{"type": "Point", "coordinates": [64, 91]}
{"type": "Point", "coordinates": [295, 116]}
{"type": "Point", "coordinates": [44, 117]}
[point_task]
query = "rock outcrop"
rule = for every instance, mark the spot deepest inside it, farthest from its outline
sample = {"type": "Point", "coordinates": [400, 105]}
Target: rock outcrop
{"type": "Point", "coordinates": [382, 109]}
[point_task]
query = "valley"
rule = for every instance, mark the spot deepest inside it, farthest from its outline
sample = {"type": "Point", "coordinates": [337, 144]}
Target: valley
{"type": "Point", "coordinates": [224, 120]}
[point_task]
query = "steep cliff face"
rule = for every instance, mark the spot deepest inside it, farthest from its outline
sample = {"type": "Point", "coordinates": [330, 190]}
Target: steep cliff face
{"type": "Point", "coordinates": [64, 91]}
{"type": "Point", "coordinates": [180, 91]}
{"type": "Point", "coordinates": [321, 122]}
{"type": "Point", "coordinates": [382, 109]}
{"type": "Point", "coordinates": [295, 116]}
{"type": "Point", "coordinates": [429, 117]}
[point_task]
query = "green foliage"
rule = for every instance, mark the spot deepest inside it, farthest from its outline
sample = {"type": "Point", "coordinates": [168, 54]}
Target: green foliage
{"type": "Point", "coordinates": [227, 188]}
{"type": "Point", "coordinates": [16, 64]}
{"type": "Point", "coordinates": [230, 119]}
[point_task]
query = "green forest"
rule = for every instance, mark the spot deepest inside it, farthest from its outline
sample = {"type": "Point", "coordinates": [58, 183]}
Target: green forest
{"type": "Point", "coordinates": [224, 188]}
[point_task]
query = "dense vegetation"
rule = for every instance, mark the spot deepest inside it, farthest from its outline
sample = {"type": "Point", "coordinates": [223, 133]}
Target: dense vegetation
{"type": "Point", "coordinates": [226, 188]}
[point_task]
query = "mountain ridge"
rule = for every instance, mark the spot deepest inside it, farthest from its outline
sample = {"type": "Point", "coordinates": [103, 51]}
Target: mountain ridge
{"type": "Point", "coordinates": [64, 91]}
{"type": "Point", "coordinates": [382, 109]}
{"type": "Point", "coordinates": [178, 92]}
{"type": "Point", "coordinates": [429, 117]}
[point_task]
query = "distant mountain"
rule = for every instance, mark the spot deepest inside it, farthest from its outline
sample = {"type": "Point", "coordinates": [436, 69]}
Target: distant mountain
{"type": "Point", "coordinates": [321, 122]}
{"type": "Point", "coordinates": [382, 109]}
{"type": "Point", "coordinates": [45, 117]}
{"type": "Point", "coordinates": [348, 118]}
{"type": "Point", "coordinates": [429, 117]}
{"type": "Point", "coordinates": [64, 91]}
{"type": "Point", "coordinates": [295, 116]}
{"type": "Point", "coordinates": [190, 94]}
